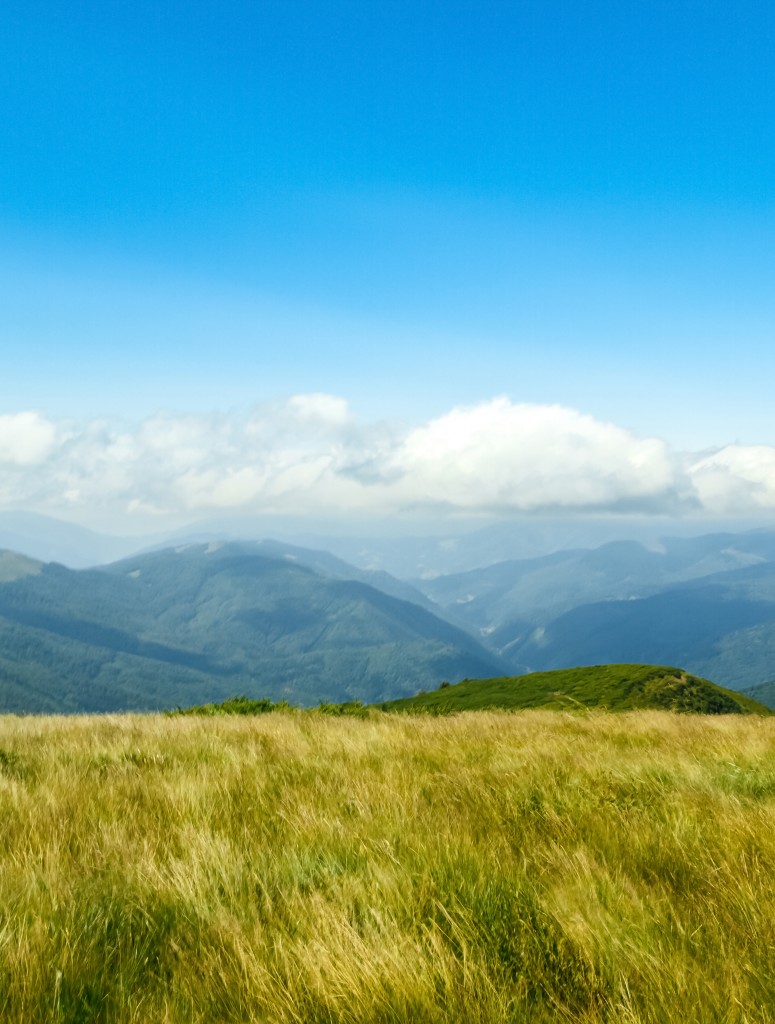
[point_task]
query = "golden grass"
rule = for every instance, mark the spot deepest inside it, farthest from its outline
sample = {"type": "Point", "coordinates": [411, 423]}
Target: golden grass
{"type": "Point", "coordinates": [293, 867]}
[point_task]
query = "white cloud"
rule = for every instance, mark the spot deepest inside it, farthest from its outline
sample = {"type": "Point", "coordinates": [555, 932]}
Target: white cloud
{"type": "Point", "coordinates": [309, 455]}
{"type": "Point", "coordinates": [736, 479]}
{"type": "Point", "coordinates": [325, 410]}
{"type": "Point", "coordinates": [26, 438]}
{"type": "Point", "coordinates": [505, 457]}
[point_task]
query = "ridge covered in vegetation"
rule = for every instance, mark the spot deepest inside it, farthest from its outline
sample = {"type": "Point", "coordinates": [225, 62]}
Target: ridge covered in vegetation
{"type": "Point", "coordinates": [615, 687]}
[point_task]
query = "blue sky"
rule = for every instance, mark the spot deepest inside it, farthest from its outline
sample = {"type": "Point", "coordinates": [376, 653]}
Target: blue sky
{"type": "Point", "coordinates": [207, 208]}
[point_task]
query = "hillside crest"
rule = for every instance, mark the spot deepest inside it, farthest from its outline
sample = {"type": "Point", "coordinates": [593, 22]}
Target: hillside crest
{"type": "Point", "coordinates": [612, 687]}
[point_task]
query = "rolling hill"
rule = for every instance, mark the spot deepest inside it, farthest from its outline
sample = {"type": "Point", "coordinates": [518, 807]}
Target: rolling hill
{"type": "Point", "coordinates": [614, 687]}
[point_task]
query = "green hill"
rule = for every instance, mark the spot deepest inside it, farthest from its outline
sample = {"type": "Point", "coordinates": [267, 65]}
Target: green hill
{"type": "Point", "coordinates": [614, 687]}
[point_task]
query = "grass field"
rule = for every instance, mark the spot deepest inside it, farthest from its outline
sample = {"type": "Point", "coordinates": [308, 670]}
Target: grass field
{"type": "Point", "coordinates": [295, 867]}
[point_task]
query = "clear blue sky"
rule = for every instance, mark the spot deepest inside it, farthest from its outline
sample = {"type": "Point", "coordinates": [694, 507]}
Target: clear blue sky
{"type": "Point", "coordinates": [409, 204]}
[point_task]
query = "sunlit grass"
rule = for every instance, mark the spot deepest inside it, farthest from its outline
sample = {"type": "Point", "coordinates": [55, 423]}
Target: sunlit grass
{"type": "Point", "coordinates": [295, 867]}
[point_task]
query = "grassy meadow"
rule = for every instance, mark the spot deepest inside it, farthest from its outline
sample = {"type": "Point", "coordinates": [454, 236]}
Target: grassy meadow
{"type": "Point", "coordinates": [297, 867]}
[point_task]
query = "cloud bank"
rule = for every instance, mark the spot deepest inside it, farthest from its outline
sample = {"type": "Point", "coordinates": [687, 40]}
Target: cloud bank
{"type": "Point", "coordinates": [309, 455]}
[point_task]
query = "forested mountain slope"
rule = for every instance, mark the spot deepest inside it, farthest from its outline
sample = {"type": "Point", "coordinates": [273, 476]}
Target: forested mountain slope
{"type": "Point", "coordinates": [202, 622]}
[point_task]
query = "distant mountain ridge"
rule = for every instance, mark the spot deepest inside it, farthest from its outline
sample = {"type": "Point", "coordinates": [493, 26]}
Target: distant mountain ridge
{"type": "Point", "coordinates": [530, 590]}
{"type": "Point", "coordinates": [201, 622]}
{"type": "Point", "coordinates": [704, 602]}
{"type": "Point", "coordinates": [721, 626]}
{"type": "Point", "coordinates": [764, 693]}
{"type": "Point", "coordinates": [53, 540]}
{"type": "Point", "coordinates": [707, 603]}
{"type": "Point", "coordinates": [436, 549]}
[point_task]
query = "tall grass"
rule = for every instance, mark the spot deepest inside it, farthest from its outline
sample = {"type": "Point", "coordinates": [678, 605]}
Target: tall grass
{"type": "Point", "coordinates": [301, 868]}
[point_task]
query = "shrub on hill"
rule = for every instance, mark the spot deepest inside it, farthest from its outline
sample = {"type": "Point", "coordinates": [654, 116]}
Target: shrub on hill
{"type": "Point", "coordinates": [238, 705]}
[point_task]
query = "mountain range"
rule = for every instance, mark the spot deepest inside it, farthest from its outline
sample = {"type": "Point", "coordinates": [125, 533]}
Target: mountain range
{"type": "Point", "coordinates": [706, 603]}
{"type": "Point", "coordinates": [202, 621]}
